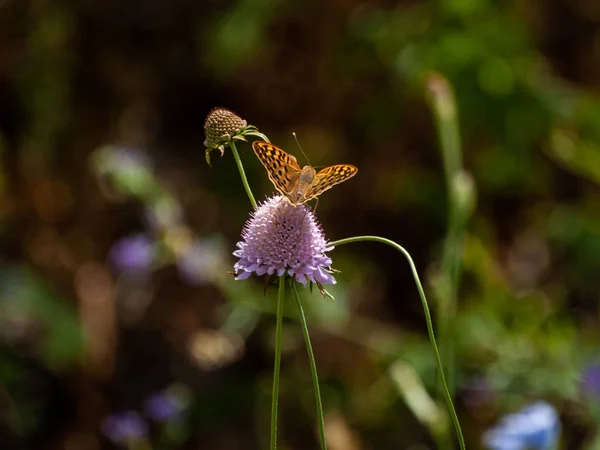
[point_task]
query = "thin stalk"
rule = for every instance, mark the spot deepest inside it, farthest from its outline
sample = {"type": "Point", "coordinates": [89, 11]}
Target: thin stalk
{"type": "Point", "coordinates": [313, 370]}
{"type": "Point", "coordinates": [277, 363]}
{"type": "Point", "coordinates": [238, 161]}
{"type": "Point", "coordinates": [428, 320]}
{"type": "Point", "coordinates": [443, 105]}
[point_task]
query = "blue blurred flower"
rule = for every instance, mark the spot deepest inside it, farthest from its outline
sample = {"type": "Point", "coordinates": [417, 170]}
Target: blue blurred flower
{"type": "Point", "coordinates": [168, 405]}
{"type": "Point", "coordinates": [125, 427]}
{"type": "Point", "coordinates": [590, 381]}
{"type": "Point", "coordinates": [202, 261]}
{"type": "Point", "coordinates": [133, 254]}
{"type": "Point", "coordinates": [280, 238]}
{"type": "Point", "coordinates": [536, 427]}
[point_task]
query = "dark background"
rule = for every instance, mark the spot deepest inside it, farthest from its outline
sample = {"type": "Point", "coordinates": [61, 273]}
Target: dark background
{"type": "Point", "coordinates": [81, 339]}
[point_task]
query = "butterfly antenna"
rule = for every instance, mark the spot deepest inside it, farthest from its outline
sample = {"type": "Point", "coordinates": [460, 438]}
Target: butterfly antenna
{"type": "Point", "coordinates": [297, 142]}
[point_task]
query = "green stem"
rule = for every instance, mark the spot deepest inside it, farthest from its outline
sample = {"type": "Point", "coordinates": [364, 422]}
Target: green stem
{"type": "Point", "coordinates": [434, 346]}
{"type": "Point", "coordinates": [443, 105]}
{"type": "Point", "coordinates": [238, 161]}
{"type": "Point", "coordinates": [313, 369]}
{"type": "Point", "coordinates": [277, 363]}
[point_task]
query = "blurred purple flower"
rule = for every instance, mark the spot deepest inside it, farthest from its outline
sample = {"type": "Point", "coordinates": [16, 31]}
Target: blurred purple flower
{"type": "Point", "coordinates": [280, 238]}
{"type": "Point", "coordinates": [168, 405]}
{"type": "Point", "coordinates": [536, 427]}
{"type": "Point", "coordinates": [125, 427]}
{"type": "Point", "coordinates": [590, 381]}
{"type": "Point", "coordinates": [133, 254]}
{"type": "Point", "coordinates": [202, 261]}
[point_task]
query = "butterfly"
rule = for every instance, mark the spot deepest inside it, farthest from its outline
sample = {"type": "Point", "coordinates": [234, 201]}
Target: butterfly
{"type": "Point", "coordinates": [299, 185]}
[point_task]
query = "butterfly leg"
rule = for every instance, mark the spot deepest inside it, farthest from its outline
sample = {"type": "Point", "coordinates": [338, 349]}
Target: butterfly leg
{"type": "Point", "coordinates": [316, 204]}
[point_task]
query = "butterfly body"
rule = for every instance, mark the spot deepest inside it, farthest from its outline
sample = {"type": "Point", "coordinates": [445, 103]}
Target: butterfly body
{"type": "Point", "coordinates": [298, 185]}
{"type": "Point", "coordinates": [303, 185]}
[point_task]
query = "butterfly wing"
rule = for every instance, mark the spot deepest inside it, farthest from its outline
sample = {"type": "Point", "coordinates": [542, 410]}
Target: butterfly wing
{"type": "Point", "coordinates": [329, 177]}
{"type": "Point", "coordinates": [283, 169]}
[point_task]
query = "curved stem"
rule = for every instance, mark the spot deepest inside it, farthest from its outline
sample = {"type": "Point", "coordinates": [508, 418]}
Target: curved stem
{"type": "Point", "coordinates": [436, 352]}
{"type": "Point", "coordinates": [277, 363]}
{"type": "Point", "coordinates": [313, 369]}
{"type": "Point", "coordinates": [443, 104]}
{"type": "Point", "coordinates": [238, 161]}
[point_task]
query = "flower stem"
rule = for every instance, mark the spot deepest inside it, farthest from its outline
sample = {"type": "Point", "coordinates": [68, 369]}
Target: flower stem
{"type": "Point", "coordinates": [460, 193]}
{"type": "Point", "coordinates": [238, 161]}
{"type": "Point", "coordinates": [444, 108]}
{"type": "Point", "coordinates": [434, 346]}
{"type": "Point", "coordinates": [277, 363]}
{"type": "Point", "coordinates": [313, 369]}
{"type": "Point", "coordinates": [443, 105]}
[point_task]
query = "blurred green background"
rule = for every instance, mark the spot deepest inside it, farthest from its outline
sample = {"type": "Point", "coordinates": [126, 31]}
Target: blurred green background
{"type": "Point", "coordinates": [102, 106]}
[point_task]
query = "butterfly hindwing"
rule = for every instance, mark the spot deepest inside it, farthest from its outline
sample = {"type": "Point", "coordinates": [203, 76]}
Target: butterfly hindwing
{"type": "Point", "coordinates": [285, 174]}
{"type": "Point", "coordinates": [329, 177]}
{"type": "Point", "coordinates": [283, 169]}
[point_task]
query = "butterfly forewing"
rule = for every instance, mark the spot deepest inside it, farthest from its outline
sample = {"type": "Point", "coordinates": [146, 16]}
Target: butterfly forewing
{"type": "Point", "coordinates": [285, 174]}
{"type": "Point", "coordinates": [283, 169]}
{"type": "Point", "coordinates": [329, 177]}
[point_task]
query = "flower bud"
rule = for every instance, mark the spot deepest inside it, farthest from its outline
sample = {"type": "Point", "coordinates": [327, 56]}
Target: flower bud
{"type": "Point", "coordinates": [222, 124]}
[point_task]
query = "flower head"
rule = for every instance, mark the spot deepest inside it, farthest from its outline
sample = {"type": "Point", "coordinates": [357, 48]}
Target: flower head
{"type": "Point", "coordinates": [280, 238]}
{"type": "Point", "coordinates": [133, 254]}
{"type": "Point", "coordinates": [222, 127]}
{"type": "Point", "coordinates": [222, 123]}
{"type": "Point", "coordinates": [125, 428]}
{"type": "Point", "coordinates": [167, 405]}
{"type": "Point", "coordinates": [536, 427]}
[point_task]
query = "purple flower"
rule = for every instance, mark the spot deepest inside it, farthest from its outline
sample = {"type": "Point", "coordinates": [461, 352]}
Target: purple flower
{"type": "Point", "coordinates": [280, 238]}
{"type": "Point", "coordinates": [590, 381]}
{"type": "Point", "coordinates": [125, 427]}
{"type": "Point", "coordinates": [536, 427]}
{"type": "Point", "coordinates": [133, 254]}
{"type": "Point", "coordinates": [201, 261]}
{"type": "Point", "coordinates": [167, 405]}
